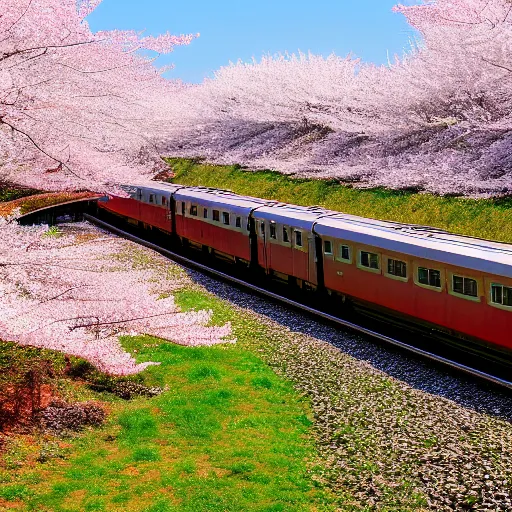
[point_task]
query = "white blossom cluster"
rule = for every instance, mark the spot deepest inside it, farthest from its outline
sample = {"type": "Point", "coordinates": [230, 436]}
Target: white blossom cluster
{"type": "Point", "coordinates": [69, 292]}
{"type": "Point", "coordinates": [436, 119]}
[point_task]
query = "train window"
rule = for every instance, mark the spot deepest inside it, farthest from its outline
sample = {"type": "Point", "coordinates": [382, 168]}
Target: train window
{"type": "Point", "coordinates": [327, 247]}
{"type": "Point", "coordinates": [429, 277]}
{"type": "Point", "coordinates": [238, 222]}
{"type": "Point", "coordinates": [345, 252]}
{"type": "Point", "coordinates": [298, 238]}
{"type": "Point", "coordinates": [464, 286]}
{"type": "Point", "coordinates": [139, 194]}
{"type": "Point", "coordinates": [193, 210]}
{"type": "Point", "coordinates": [262, 228]}
{"type": "Point", "coordinates": [273, 233]}
{"type": "Point", "coordinates": [151, 198]}
{"type": "Point", "coordinates": [501, 295]}
{"type": "Point", "coordinates": [205, 213]}
{"type": "Point", "coordinates": [183, 207]}
{"type": "Point", "coordinates": [397, 268]}
{"type": "Point", "coordinates": [286, 238]}
{"type": "Point", "coordinates": [225, 218]}
{"type": "Point", "coordinates": [164, 200]}
{"type": "Point", "coordinates": [369, 260]}
{"type": "Point", "coordinates": [216, 215]}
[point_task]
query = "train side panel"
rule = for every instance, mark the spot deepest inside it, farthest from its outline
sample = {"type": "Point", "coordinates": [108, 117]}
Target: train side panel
{"type": "Point", "coordinates": [285, 260]}
{"type": "Point", "coordinates": [156, 216]}
{"type": "Point", "coordinates": [226, 232]}
{"type": "Point", "coordinates": [144, 205]}
{"type": "Point", "coordinates": [125, 206]}
{"type": "Point", "coordinates": [439, 305]}
{"type": "Point", "coordinates": [225, 239]}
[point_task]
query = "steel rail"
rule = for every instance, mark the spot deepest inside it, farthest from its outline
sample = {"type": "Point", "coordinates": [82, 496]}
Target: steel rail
{"type": "Point", "coordinates": [345, 323]}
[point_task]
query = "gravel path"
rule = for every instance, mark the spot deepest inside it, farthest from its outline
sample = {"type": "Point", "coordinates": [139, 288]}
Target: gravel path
{"type": "Point", "coordinates": [394, 432]}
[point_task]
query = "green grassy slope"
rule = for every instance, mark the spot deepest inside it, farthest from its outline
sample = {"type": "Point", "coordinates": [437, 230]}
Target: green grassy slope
{"type": "Point", "coordinates": [491, 219]}
{"type": "Point", "coordinates": [227, 435]}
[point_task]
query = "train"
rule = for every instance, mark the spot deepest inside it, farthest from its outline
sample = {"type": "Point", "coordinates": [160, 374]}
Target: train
{"type": "Point", "coordinates": [447, 285]}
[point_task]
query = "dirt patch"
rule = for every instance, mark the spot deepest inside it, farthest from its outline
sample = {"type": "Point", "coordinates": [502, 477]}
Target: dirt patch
{"type": "Point", "coordinates": [21, 405]}
{"type": "Point", "coordinates": [10, 505]}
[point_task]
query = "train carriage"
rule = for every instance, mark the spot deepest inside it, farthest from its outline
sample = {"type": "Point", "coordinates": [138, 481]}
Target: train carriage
{"type": "Point", "coordinates": [457, 284]}
{"type": "Point", "coordinates": [216, 220]}
{"type": "Point", "coordinates": [286, 245]}
{"type": "Point", "coordinates": [421, 277]}
{"type": "Point", "coordinates": [149, 207]}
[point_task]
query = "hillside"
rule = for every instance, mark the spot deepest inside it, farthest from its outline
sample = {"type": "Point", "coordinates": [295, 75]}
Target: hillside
{"type": "Point", "coordinates": [437, 119]}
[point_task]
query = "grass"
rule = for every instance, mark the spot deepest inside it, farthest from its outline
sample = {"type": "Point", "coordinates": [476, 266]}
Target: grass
{"type": "Point", "coordinates": [17, 361]}
{"type": "Point", "coordinates": [227, 435]}
{"type": "Point", "coordinates": [9, 200]}
{"type": "Point", "coordinates": [10, 193]}
{"type": "Point", "coordinates": [484, 218]}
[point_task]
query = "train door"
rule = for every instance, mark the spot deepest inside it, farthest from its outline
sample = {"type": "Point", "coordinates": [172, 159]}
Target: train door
{"type": "Point", "coordinates": [140, 199]}
{"type": "Point", "coordinates": [263, 256]}
{"type": "Point", "coordinates": [312, 259]}
{"type": "Point", "coordinates": [300, 254]}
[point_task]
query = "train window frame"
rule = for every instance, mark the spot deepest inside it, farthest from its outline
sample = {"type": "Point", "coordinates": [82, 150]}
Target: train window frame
{"type": "Point", "coordinates": [298, 239]}
{"type": "Point", "coordinates": [497, 304]}
{"type": "Point", "coordinates": [428, 266]}
{"type": "Point", "coordinates": [387, 260]}
{"type": "Point", "coordinates": [364, 267]}
{"type": "Point", "coordinates": [151, 199]}
{"type": "Point", "coordinates": [226, 220]}
{"type": "Point", "coordinates": [205, 213]}
{"type": "Point", "coordinates": [238, 222]}
{"type": "Point", "coordinates": [192, 211]}
{"type": "Point", "coordinates": [472, 298]}
{"type": "Point", "coordinates": [339, 253]}
{"type": "Point", "coordinates": [272, 230]}
{"type": "Point", "coordinates": [261, 230]}
{"type": "Point", "coordinates": [183, 207]}
{"type": "Point", "coordinates": [216, 215]}
{"type": "Point", "coordinates": [330, 243]}
{"type": "Point", "coordinates": [163, 202]}
{"type": "Point", "coordinates": [286, 239]}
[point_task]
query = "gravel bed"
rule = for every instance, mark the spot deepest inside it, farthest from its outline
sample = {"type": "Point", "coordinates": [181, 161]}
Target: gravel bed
{"type": "Point", "coordinates": [394, 432]}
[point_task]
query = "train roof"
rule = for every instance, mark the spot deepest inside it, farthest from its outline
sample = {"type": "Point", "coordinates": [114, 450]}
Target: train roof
{"type": "Point", "coordinates": [296, 216]}
{"type": "Point", "coordinates": [221, 198]}
{"type": "Point", "coordinates": [158, 188]}
{"type": "Point", "coordinates": [421, 242]}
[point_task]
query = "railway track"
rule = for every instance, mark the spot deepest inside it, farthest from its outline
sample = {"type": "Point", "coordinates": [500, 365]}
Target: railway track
{"type": "Point", "coordinates": [499, 381]}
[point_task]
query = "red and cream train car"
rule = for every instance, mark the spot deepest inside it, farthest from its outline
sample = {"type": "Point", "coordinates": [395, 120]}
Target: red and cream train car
{"type": "Point", "coordinates": [458, 284]}
{"type": "Point", "coordinates": [217, 220]}
{"type": "Point", "coordinates": [148, 206]}
{"type": "Point", "coordinates": [286, 244]}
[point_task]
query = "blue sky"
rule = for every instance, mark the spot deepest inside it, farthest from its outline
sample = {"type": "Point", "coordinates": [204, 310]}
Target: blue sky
{"type": "Point", "coordinates": [232, 30]}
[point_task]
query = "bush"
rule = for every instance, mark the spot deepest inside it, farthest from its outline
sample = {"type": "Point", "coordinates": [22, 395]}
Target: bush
{"type": "Point", "coordinates": [60, 417]}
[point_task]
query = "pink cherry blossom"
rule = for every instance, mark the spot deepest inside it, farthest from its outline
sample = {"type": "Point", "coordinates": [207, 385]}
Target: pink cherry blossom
{"type": "Point", "coordinates": [78, 292]}
{"type": "Point", "coordinates": [76, 102]}
{"type": "Point", "coordinates": [436, 118]}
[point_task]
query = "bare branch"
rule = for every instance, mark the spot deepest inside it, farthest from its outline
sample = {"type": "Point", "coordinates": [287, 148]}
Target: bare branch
{"type": "Point", "coordinates": [21, 16]}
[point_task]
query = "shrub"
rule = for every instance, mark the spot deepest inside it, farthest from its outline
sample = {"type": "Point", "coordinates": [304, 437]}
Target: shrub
{"type": "Point", "coordinates": [60, 417]}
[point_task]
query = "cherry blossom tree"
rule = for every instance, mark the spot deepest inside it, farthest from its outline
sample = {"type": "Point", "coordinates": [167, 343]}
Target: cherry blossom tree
{"type": "Point", "coordinates": [76, 291]}
{"type": "Point", "coordinates": [77, 108]}
{"type": "Point", "coordinates": [437, 118]}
